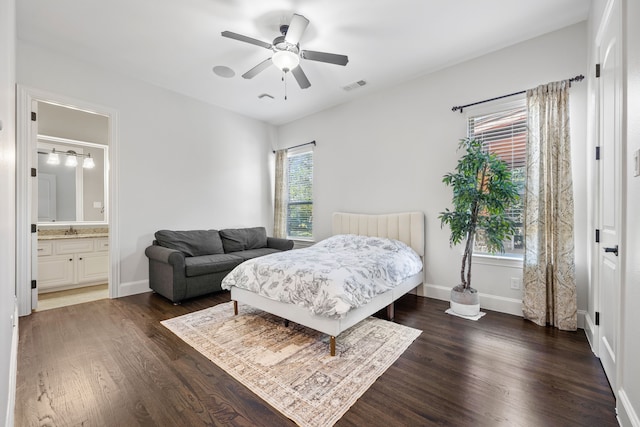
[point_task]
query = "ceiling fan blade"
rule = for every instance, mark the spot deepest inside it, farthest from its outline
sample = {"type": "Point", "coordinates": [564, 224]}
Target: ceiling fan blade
{"type": "Point", "coordinates": [331, 58]}
{"type": "Point", "coordinates": [301, 77]}
{"type": "Point", "coordinates": [246, 39]}
{"type": "Point", "coordinates": [296, 28]}
{"type": "Point", "coordinates": [257, 69]}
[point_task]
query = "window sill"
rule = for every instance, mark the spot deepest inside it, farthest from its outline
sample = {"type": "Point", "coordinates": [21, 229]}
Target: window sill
{"type": "Point", "coordinates": [498, 260]}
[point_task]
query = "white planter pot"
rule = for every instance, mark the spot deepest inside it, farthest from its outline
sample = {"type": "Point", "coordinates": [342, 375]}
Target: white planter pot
{"type": "Point", "coordinates": [465, 302]}
{"type": "Point", "coordinates": [465, 309]}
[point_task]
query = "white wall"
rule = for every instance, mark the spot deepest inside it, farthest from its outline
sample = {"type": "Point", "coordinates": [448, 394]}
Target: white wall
{"type": "Point", "coordinates": [388, 152]}
{"type": "Point", "coordinates": [182, 164]}
{"type": "Point", "coordinates": [55, 120]}
{"type": "Point", "coordinates": [8, 333]}
{"type": "Point", "coordinates": [93, 186]}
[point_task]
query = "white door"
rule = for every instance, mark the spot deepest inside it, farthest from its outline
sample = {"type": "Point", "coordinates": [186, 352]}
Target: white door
{"type": "Point", "coordinates": [609, 141]}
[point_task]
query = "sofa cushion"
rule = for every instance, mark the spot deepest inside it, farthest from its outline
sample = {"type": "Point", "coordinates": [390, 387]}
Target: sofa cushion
{"type": "Point", "coordinates": [241, 239]}
{"type": "Point", "coordinates": [254, 253]}
{"type": "Point", "coordinates": [205, 264]}
{"type": "Point", "coordinates": [191, 243]}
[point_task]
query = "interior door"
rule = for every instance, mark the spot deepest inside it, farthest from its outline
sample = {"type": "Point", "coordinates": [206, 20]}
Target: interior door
{"type": "Point", "coordinates": [609, 198]}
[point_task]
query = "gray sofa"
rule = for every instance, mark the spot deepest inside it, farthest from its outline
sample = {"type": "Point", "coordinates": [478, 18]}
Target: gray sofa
{"type": "Point", "coordinates": [186, 264]}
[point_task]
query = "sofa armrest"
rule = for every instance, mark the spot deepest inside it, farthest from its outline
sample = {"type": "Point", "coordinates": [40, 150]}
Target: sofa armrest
{"type": "Point", "coordinates": [281, 244]}
{"type": "Point", "coordinates": [167, 273]}
{"type": "Point", "coordinates": [165, 255]}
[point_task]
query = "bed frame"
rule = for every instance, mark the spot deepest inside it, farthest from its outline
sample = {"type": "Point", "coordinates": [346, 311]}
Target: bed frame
{"type": "Point", "coordinates": [407, 227]}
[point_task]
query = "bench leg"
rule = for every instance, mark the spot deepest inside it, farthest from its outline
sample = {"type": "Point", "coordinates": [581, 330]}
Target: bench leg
{"type": "Point", "coordinates": [332, 345]}
{"type": "Point", "coordinates": [235, 308]}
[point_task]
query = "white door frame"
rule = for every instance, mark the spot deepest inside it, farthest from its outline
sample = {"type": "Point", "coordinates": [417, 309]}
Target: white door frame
{"type": "Point", "coordinates": [24, 194]}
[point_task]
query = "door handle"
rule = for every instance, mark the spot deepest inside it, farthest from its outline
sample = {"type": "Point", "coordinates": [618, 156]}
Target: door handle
{"type": "Point", "coordinates": [613, 250]}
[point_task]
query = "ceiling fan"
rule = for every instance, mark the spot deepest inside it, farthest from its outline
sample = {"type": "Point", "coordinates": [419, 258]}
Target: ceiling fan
{"type": "Point", "coordinates": [286, 51]}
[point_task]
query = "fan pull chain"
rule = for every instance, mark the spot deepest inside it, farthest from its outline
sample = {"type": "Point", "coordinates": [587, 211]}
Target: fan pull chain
{"type": "Point", "coordinates": [284, 79]}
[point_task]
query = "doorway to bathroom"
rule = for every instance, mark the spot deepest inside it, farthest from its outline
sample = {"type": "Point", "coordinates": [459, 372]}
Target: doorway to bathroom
{"type": "Point", "coordinates": [72, 205]}
{"type": "Point", "coordinates": [65, 243]}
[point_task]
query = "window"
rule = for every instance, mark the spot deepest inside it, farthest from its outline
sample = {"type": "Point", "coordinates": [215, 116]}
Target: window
{"type": "Point", "coordinates": [300, 194]}
{"type": "Point", "coordinates": [505, 133]}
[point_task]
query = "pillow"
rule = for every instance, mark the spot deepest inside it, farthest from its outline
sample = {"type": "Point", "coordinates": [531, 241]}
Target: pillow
{"type": "Point", "coordinates": [192, 242]}
{"type": "Point", "coordinates": [242, 239]}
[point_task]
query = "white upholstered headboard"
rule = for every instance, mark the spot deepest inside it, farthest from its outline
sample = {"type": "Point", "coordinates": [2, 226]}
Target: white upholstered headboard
{"type": "Point", "coordinates": [408, 227]}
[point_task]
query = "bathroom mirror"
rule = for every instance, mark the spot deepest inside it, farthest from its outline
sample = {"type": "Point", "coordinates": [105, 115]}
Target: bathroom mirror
{"type": "Point", "coordinates": [71, 191]}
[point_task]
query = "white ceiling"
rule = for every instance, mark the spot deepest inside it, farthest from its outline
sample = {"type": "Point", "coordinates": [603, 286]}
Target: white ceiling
{"type": "Point", "coordinates": [176, 43]}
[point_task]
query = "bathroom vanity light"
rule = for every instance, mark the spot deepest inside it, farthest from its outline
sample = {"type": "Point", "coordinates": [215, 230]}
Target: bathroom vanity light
{"type": "Point", "coordinates": [53, 158]}
{"type": "Point", "coordinates": [72, 159]}
{"type": "Point", "coordinates": [88, 162]}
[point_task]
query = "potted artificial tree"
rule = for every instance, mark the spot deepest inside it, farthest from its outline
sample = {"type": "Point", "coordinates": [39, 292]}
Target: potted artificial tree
{"type": "Point", "coordinates": [482, 193]}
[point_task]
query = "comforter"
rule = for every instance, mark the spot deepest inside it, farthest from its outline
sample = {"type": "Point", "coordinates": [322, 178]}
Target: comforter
{"type": "Point", "coordinates": [331, 277]}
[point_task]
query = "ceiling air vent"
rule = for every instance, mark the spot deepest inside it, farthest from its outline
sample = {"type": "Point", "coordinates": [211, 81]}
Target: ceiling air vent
{"type": "Point", "coordinates": [355, 85]}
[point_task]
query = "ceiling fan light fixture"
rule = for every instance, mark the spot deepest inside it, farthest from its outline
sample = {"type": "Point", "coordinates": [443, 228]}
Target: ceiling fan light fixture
{"type": "Point", "coordinates": [286, 52]}
{"type": "Point", "coordinates": [285, 60]}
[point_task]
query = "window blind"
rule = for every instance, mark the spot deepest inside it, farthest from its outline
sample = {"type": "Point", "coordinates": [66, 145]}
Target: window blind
{"type": "Point", "coordinates": [300, 200]}
{"type": "Point", "coordinates": [505, 133]}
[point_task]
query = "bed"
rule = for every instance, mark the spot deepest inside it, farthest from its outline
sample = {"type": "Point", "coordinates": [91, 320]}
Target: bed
{"type": "Point", "coordinates": [407, 228]}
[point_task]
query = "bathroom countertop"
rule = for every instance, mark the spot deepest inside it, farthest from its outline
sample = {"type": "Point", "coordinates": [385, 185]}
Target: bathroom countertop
{"type": "Point", "coordinates": [71, 236]}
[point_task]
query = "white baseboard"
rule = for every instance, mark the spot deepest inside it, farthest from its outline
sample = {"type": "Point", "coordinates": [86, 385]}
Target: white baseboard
{"type": "Point", "coordinates": [133, 288]}
{"type": "Point", "coordinates": [627, 414]}
{"type": "Point", "coordinates": [591, 331]}
{"type": "Point", "coordinates": [489, 302]}
{"type": "Point", "coordinates": [582, 320]}
{"type": "Point", "coordinates": [13, 371]}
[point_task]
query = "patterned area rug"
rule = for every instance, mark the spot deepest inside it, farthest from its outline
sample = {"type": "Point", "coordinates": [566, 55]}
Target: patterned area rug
{"type": "Point", "coordinates": [290, 367]}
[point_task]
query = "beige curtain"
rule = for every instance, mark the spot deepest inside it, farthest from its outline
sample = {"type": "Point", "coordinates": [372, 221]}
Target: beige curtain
{"type": "Point", "coordinates": [549, 265]}
{"type": "Point", "coordinates": [280, 202]}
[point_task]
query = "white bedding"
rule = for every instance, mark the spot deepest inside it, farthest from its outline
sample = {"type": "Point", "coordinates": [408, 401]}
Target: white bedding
{"type": "Point", "coordinates": [332, 277]}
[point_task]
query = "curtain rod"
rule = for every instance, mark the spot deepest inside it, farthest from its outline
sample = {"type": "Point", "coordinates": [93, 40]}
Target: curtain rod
{"type": "Point", "coordinates": [577, 78]}
{"type": "Point", "coordinates": [296, 146]}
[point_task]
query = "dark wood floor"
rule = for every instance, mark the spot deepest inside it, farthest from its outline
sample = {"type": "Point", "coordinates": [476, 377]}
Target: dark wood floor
{"type": "Point", "coordinates": [111, 363]}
